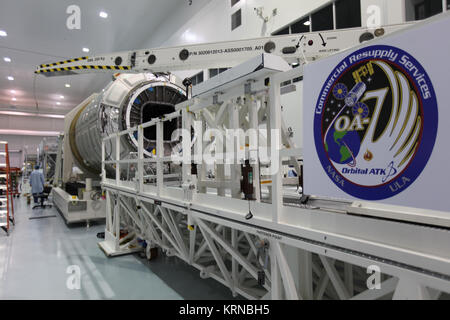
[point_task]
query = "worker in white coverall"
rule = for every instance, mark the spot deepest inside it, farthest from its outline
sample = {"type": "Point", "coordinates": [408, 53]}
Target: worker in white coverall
{"type": "Point", "coordinates": [37, 183]}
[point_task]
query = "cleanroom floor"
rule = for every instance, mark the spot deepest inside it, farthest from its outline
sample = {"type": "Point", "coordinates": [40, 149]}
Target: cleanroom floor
{"type": "Point", "coordinates": [37, 259]}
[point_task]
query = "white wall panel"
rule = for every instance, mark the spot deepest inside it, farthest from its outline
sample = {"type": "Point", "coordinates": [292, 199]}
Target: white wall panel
{"type": "Point", "coordinates": [213, 22]}
{"type": "Point", "coordinates": [4, 121]}
{"type": "Point", "coordinates": [31, 123]}
{"type": "Point", "coordinates": [23, 143]}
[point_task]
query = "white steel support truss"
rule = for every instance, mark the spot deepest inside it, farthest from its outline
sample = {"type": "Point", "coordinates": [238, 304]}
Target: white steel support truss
{"type": "Point", "coordinates": [226, 251]}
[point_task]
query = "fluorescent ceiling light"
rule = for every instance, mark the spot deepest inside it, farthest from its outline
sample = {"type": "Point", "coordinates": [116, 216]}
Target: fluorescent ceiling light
{"type": "Point", "coordinates": [61, 97]}
{"type": "Point", "coordinates": [7, 59]}
{"type": "Point", "coordinates": [67, 85]}
{"type": "Point", "coordinates": [31, 114]}
{"type": "Point", "coordinates": [103, 14]}
{"type": "Point", "coordinates": [3, 33]}
{"type": "Point", "coordinates": [85, 49]}
{"type": "Point", "coordinates": [10, 78]}
{"type": "Point", "coordinates": [58, 103]}
{"type": "Point", "coordinates": [307, 23]}
{"type": "Point", "coordinates": [14, 99]}
{"type": "Point", "coordinates": [13, 91]}
{"type": "Point", "coordinates": [29, 133]}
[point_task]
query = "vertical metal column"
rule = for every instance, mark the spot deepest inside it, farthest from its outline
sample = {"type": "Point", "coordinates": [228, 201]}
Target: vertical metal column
{"type": "Point", "coordinates": [57, 180]}
{"type": "Point", "coordinates": [235, 167]}
{"type": "Point", "coordinates": [254, 145]}
{"type": "Point", "coordinates": [159, 156]}
{"type": "Point", "coordinates": [117, 137]}
{"type": "Point", "coordinates": [140, 173]}
{"type": "Point", "coordinates": [187, 158]}
{"type": "Point", "coordinates": [275, 143]}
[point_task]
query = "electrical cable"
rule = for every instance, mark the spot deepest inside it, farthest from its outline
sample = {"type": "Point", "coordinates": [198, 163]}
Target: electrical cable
{"type": "Point", "coordinates": [34, 93]}
{"type": "Point", "coordinates": [303, 52]}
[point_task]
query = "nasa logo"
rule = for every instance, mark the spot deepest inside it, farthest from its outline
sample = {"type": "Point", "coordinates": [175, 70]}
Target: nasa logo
{"type": "Point", "coordinates": [375, 122]}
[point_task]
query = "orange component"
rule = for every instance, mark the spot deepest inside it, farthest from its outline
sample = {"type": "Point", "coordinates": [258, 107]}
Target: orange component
{"type": "Point", "coordinates": [9, 194]}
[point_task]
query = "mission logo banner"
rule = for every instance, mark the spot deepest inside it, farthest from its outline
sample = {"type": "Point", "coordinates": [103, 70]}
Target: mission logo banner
{"type": "Point", "coordinates": [376, 122]}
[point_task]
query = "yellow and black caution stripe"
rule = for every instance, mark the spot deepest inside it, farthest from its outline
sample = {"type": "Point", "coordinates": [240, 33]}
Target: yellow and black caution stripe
{"type": "Point", "coordinates": [62, 62]}
{"type": "Point", "coordinates": [84, 68]}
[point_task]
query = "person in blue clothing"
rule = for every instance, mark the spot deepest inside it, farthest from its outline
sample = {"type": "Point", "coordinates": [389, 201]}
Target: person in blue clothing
{"type": "Point", "coordinates": [37, 183]}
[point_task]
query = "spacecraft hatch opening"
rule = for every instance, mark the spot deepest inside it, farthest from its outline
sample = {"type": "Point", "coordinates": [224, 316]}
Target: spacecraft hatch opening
{"type": "Point", "coordinates": [152, 110]}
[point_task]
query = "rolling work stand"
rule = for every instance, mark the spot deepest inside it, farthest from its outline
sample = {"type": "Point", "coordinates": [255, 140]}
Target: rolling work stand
{"type": "Point", "coordinates": [6, 194]}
